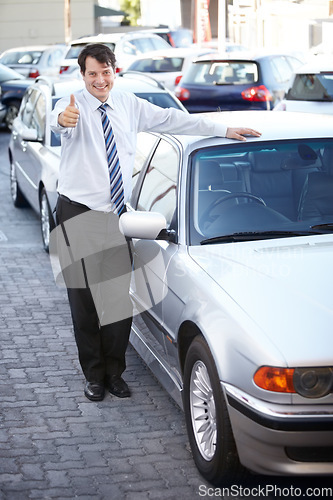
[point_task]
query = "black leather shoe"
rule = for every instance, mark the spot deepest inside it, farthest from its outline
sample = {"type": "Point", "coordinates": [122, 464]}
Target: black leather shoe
{"type": "Point", "coordinates": [118, 387]}
{"type": "Point", "coordinates": [94, 391]}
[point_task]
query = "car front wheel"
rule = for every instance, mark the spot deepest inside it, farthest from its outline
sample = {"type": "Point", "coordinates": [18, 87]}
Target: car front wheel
{"type": "Point", "coordinates": [46, 219]}
{"type": "Point", "coordinates": [207, 420]}
{"type": "Point", "coordinates": [12, 112]}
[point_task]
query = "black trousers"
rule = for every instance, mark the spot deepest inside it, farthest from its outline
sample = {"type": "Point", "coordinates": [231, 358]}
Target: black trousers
{"type": "Point", "coordinates": [95, 261]}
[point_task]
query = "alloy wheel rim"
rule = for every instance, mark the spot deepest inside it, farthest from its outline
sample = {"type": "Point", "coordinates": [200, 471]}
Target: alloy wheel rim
{"type": "Point", "coordinates": [203, 411]}
{"type": "Point", "coordinates": [12, 113]}
{"type": "Point", "coordinates": [13, 182]}
{"type": "Point", "coordinates": [45, 221]}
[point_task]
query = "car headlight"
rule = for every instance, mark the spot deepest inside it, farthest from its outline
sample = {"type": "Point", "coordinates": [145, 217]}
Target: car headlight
{"type": "Point", "coordinates": [308, 382]}
{"type": "Point", "coordinates": [313, 382]}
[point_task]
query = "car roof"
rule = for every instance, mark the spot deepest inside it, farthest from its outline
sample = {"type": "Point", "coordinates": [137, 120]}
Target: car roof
{"type": "Point", "coordinates": [31, 47]}
{"type": "Point", "coordinates": [128, 82]}
{"type": "Point", "coordinates": [111, 37]}
{"type": "Point", "coordinates": [272, 125]}
{"type": "Point", "coordinates": [175, 52]}
{"type": "Point", "coordinates": [316, 67]}
{"type": "Point", "coordinates": [244, 56]}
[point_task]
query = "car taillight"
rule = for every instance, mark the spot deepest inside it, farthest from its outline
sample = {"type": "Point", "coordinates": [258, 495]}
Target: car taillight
{"type": "Point", "coordinates": [308, 382]}
{"type": "Point", "coordinates": [63, 69]}
{"type": "Point", "coordinates": [257, 94]}
{"type": "Point", "coordinates": [182, 94]}
{"type": "Point", "coordinates": [34, 73]}
{"type": "Point", "coordinates": [171, 40]}
{"type": "Point", "coordinates": [118, 70]}
{"type": "Point", "coordinates": [179, 77]}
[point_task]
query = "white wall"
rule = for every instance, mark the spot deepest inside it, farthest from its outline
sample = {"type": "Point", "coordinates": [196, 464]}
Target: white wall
{"type": "Point", "coordinates": [32, 22]}
{"type": "Point", "coordinates": [154, 13]}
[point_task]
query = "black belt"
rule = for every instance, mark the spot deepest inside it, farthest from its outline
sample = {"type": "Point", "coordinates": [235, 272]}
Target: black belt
{"type": "Point", "coordinates": [75, 203]}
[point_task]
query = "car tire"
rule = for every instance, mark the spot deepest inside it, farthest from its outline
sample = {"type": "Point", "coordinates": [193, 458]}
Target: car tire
{"type": "Point", "coordinates": [12, 112]}
{"type": "Point", "coordinates": [207, 420]}
{"type": "Point", "coordinates": [46, 219]}
{"type": "Point", "coordinates": [15, 191]}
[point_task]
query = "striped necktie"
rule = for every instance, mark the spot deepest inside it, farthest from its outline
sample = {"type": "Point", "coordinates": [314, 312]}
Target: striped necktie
{"type": "Point", "coordinates": [116, 180]}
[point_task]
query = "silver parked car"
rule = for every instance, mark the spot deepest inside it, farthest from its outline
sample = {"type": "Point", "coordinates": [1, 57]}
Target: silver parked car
{"type": "Point", "coordinates": [233, 284]}
{"type": "Point", "coordinates": [34, 150]}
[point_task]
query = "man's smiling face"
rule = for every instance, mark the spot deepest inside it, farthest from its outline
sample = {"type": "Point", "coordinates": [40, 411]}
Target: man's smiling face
{"type": "Point", "coordinates": [98, 78]}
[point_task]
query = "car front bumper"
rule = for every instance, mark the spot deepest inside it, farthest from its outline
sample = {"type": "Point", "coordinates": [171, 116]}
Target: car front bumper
{"type": "Point", "coordinates": [280, 439]}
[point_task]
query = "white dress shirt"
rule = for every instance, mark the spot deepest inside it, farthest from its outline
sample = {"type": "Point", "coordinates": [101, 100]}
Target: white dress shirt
{"type": "Point", "coordinates": [83, 175]}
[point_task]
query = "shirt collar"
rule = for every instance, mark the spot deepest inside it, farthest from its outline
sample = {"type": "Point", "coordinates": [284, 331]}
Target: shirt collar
{"type": "Point", "coordinates": [95, 103]}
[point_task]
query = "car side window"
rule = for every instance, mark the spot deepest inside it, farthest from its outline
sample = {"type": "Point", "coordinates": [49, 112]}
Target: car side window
{"type": "Point", "coordinates": [281, 69]}
{"type": "Point", "coordinates": [28, 106]}
{"type": "Point", "coordinates": [145, 144]}
{"type": "Point", "coordinates": [159, 187]}
{"type": "Point", "coordinates": [38, 116]}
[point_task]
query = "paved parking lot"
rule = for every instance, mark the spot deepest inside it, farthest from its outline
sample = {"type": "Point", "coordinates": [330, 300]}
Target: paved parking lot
{"type": "Point", "coordinates": [54, 443]}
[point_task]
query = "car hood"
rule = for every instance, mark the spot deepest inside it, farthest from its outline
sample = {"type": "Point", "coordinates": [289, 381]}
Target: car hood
{"type": "Point", "coordinates": [284, 286]}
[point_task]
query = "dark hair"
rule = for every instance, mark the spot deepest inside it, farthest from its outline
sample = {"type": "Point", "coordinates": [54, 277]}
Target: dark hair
{"type": "Point", "coordinates": [98, 51]}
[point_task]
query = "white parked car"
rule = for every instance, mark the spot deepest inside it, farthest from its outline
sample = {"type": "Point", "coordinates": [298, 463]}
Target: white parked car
{"type": "Point", "coordinates": [126, 47]}
{"type": "Point", "coordinates": [35, 60]}
{"type": "Point", "coordinates": [233, 279]}
{"type": "Point", "coordinates": [310, 90]}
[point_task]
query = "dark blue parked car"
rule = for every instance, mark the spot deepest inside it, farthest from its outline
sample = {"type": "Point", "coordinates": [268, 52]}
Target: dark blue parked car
{"type": "Point", "coordinates": [214, 83]}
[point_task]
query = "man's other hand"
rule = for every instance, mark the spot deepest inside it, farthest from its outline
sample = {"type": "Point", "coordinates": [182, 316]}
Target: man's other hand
{"type": "Point", "coordinates": [239, 133]}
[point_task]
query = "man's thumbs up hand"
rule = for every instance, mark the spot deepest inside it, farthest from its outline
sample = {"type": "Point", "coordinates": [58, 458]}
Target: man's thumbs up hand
{"type": "Point", "coordinates": [70, 116]}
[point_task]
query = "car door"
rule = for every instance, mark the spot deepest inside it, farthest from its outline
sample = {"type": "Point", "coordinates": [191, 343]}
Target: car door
{"type": "Point", "coordinates": [157, 192]}
{"type": "Point", "coordinates": [27, 153]}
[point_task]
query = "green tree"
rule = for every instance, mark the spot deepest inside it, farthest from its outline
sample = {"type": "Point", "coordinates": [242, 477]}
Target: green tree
{"type": "Point", "coordinates": [132, 7]}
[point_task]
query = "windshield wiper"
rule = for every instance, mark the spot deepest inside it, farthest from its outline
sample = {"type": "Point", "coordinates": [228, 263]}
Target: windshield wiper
{"type": "Point", "coordinates": [255, 235]}
{"type": "Point", "coordinates": [323, 227]}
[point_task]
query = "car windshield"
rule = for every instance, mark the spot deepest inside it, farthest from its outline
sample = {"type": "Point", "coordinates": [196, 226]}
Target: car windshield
{"type": "Point", "coordinates": [312, 87]}
{"type": "Point", "coordinates": [21, 57]}
{"type": "Point", "coordinates": [260, 190]}
{"type": "Point", "coordinates": [222, 73]}
{"type": "Point", "coordinates": [158, 64]}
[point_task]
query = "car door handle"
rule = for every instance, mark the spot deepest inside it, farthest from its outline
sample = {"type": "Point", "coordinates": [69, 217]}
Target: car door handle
{"type": "Point", "coordinates": [24, 145]}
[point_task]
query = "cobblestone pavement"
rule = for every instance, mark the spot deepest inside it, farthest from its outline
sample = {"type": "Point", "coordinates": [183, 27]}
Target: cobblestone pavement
{"type": "Point", "coordinates": [54, 443]}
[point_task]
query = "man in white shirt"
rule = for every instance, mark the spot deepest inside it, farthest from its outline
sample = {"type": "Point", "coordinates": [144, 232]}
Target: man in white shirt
{"type": "Point", "coordinates": [88, 213]}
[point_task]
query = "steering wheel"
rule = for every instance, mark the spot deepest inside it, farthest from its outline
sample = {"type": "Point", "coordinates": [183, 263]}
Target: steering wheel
{"type": "Point", "coordinates": [205, 216]}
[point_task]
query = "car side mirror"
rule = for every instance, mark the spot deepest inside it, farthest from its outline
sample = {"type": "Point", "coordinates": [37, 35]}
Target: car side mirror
{"type": "Point", "coordinates": [27, 134]}
{"type": "Point", "coordinates": [144, 225]}
{"type": "Point", "coordinates": [30, 134]}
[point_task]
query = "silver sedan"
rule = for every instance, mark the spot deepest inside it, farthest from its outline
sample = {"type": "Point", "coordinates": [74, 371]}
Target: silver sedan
{"type": "Point", "coordinates": [233, 285]}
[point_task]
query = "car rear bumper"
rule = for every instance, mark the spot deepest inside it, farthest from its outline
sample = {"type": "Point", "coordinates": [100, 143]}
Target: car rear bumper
{"type": "Point", "coordinates": [277, 439]}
